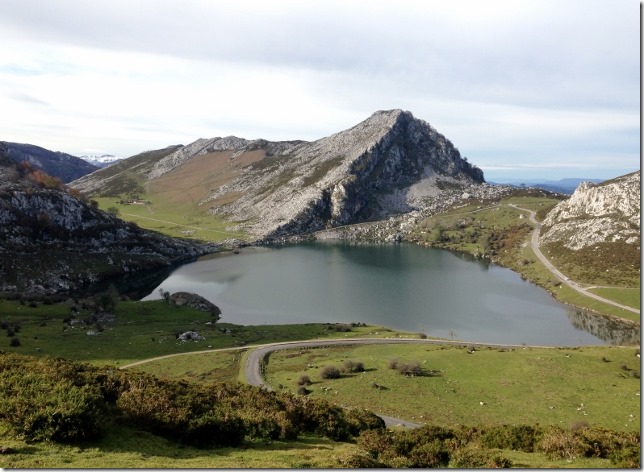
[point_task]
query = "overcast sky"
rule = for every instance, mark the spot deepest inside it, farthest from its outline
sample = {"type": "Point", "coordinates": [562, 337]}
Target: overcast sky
{"type": "Point", "coordinates": [523, 88]}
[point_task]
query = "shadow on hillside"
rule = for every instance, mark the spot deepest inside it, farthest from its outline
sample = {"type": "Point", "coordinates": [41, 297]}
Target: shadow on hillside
{"type": "Point", "coordinates": [126, 440]}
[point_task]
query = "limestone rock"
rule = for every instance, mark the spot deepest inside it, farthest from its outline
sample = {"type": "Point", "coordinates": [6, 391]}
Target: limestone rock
{"type": "Point", "coordinates": [597, 213]}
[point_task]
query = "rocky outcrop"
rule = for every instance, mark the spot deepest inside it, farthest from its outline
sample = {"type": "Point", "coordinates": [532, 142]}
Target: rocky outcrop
{"type": "Point", "coordinates": [52, 242]}
{"type": "Point", "coordinates": [597, 213]}
{"type": "Point", "coordinates": [195, 301]}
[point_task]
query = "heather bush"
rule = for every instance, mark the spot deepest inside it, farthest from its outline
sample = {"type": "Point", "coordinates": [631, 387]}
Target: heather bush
{"type": "Point", "coordinates": [330, 372]}
{"type": "Point", "coordinates": [515, 437]}
{"type": "Point", "coordinates": [474, 458]}
{"type": "Point", "coordinates": [557, 443]}
{"type": "Point", "coordinates": [353, 367]}
{"type": "Point", "coordinates": [38, 407]}
{"type": "Point", "coordinates": [304, 380]}
{"type": "Point", "coordinates": [411, 369]}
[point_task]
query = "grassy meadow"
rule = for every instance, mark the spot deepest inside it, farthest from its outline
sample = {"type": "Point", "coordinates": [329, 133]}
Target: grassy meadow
{"type": "Point", "coordinates": [179, 220]}
{"type": "Point", "coordinates": [557, 386]}
{"type": "Point", "coordinates": [140, 330]}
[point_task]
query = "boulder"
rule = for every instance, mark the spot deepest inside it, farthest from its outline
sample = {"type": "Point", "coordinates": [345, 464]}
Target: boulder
{"type": "Point", "coordinates": [195, 301]}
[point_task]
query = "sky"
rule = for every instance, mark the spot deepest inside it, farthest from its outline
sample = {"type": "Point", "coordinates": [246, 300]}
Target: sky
{"type": "Point", "coordinates": [524, 89]}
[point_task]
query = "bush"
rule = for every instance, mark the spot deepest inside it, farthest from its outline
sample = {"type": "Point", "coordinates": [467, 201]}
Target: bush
{"type": "Point", "coordinates": [410, 369]}
{"type": "Point", "coordinates": [15, 342]}
{"type": "Point", "coordinates": [375, 442]}
{"type": "Point", "coordinates": [517, 438]}
{"type": "Point", "coordinates": [352, 367]}
{"type": "Point", "coordinates": [360, 461]}
{"type": "Point", "coordinates": [393, 363]}
{"type": "Point", "coordinates": [330, 372]}
{"type": "Point", "coordinates": [363, 420]}
{"type": "Point", "coordinates": [42, 408]}
{"type": "Point", "coordinates": [473, 458]}
{"type": "Point", "coordinates": [429, 455]}
{"type": "Point", "coordinates": [629, 457]}
{"type": "Point", "coordinates": [304, 380]}
{"type": "Point", "coordinates": [559, 444]}
{"type": "Point", "coordinates": [302, 390]}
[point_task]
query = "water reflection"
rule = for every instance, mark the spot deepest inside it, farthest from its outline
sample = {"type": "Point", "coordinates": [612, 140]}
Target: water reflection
{"type": "Point", "coordinates": [611, 330]}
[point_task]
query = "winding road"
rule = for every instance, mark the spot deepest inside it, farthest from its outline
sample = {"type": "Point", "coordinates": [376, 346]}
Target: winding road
{"type": "Point", "coordinates": [534, 242]}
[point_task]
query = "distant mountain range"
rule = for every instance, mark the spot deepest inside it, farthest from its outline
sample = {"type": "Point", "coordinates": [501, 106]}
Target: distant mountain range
{"type": "Point", "coordinates": [566, 186]}
{"type": "Point", "coordinates": [57, 164]}
{"type": "Point", "coordinates": [102, 160]}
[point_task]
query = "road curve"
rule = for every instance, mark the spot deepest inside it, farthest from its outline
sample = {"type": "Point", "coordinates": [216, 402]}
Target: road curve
{"type": "Point", "coordinates": [254, 361]}
{"type": "Point", "coordinates": [534, 242]}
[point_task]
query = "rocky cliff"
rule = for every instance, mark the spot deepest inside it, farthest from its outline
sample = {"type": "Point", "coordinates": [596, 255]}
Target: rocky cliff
{"type": "Point", "coordinates": [597, 213]}
{"type": "Point", "coordinates": [53, 242]}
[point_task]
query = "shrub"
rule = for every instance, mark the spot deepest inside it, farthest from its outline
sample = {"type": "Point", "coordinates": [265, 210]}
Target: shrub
{"type": "Point", "coordinates": [410, 369]}
{"type": "Point", "coordinates": [560, 444]}
{"type": "Point", "coordinates": [304, 380]}
{"type": "Point", "coordinates": [360, 461]}
{"type": "Point", "coordinates": [363, 420]}
{"type": "Point", "coordinates": [393, 363]}
{"type": "Point", "coordinates": [302, 390]}
{"type": "Point", "coordinates": [515, 437]}
{"type": "Point", "coordinates": [330, 372]}
{"type": "Point", "coordinates": [15, 342]}
{"type": "Point", "coordinates": [628, 457]}
{"type": "Point", "coordinates": [471, 458]}
{"type": "Point", "coordinates": [375, 442]}
{"type": "Point", "coordinates": [430, 455]}
{"type": "Point", "coordinates": [353, 367]}
{"type": "Point", "coordinates": [38, 407]}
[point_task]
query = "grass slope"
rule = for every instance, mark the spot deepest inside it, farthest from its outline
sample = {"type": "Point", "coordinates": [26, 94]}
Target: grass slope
{"type": "Point", "coordinates": [597, 385]}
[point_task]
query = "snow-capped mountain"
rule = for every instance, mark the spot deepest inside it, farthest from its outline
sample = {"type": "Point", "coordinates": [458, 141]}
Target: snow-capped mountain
{"type": "Point", "coordinates": [103, 160]}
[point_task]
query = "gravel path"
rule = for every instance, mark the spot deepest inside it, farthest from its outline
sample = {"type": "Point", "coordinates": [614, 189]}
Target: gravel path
{"type": "Point", "coordinates": [573, 285]}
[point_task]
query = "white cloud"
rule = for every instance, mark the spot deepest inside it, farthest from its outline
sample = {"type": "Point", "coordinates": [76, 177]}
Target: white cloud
{"type": "Point", "coordinates": [501, 79]}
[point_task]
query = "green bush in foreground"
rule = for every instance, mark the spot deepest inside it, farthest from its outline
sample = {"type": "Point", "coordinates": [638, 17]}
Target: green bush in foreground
{"type": "Point", "coordinates": [56, 400]}
{"type": "Point", "coordinates": [462, 447]}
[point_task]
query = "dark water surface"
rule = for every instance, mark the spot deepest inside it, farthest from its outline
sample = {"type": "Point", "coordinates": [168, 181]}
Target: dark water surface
{"type": "Point", "coordinates": [404, 287]}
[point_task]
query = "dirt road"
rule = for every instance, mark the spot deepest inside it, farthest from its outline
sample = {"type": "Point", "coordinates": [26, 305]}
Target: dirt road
{"type": "Point", "coordinates": [534, 241]}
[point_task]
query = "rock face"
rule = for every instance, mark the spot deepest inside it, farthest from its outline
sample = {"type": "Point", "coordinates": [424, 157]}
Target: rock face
{"type": "Point", "coordinates": [386, 165]}
{"type": "Point", "coordinates": [383, 166]}
{"type": "Point", "coordinates": [597, 213]}
{"type": "Point", "coordinates": [76, 244]}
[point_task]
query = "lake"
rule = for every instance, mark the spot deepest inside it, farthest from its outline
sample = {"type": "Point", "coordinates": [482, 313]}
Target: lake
{"type": "Point", "coordinates": [404, 287]}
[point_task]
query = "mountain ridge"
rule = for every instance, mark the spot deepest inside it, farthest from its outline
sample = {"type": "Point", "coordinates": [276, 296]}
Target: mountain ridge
{"type": "Point", "coordinates": [384, 165]}
{"type": "Point", "coordinates": [57, 164]}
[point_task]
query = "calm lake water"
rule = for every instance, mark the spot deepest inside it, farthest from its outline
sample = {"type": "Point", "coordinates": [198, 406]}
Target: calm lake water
{"type": "Point", "coordinates": [404, 287]}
